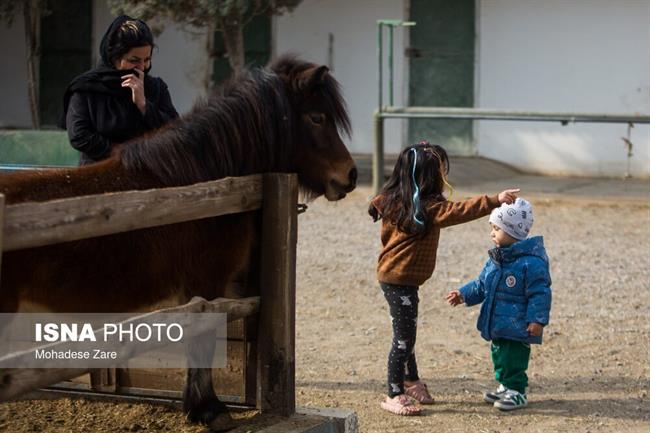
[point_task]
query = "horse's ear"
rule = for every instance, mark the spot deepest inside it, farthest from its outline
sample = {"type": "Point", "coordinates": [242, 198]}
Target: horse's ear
{"type": "Point", "coordinates": [312, 77]}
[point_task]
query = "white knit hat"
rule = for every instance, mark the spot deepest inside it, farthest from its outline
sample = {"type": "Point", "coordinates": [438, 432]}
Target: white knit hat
{"type": "Point", "coordinates": [515, 219]}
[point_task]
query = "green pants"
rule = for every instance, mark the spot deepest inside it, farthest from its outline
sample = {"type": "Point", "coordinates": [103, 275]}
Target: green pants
{"type": "Point", "coordinates": [510, 359]}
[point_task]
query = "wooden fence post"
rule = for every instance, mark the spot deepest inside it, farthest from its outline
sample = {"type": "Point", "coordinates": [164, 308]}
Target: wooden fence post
{"type": "Point", "coordinates": [276, 336]}
{"type": "Point", "coordinates": [103, 379]}
{"type": "Point", "coordinates": [2, 225]}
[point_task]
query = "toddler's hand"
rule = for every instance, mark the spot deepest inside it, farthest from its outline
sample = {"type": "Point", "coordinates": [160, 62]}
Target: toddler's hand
{"type": "Point", "coordinates": [455, 298]}
{"type": "Point", "coordinates": [535, 329]}
{"type": "Point", "coordinates": [508, 196]}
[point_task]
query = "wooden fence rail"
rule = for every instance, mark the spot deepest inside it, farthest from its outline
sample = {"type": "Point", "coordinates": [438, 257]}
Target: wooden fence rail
{"type": "Point", "coordinates": [17, 381]}
{"type": "Point", "coordinates": [29, 225]}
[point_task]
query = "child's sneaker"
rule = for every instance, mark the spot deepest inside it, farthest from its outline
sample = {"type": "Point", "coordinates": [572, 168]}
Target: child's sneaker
{"type": "Point", "coordinates": [511, 400]}
{"type": "Point", "coordinates": [492, 396]}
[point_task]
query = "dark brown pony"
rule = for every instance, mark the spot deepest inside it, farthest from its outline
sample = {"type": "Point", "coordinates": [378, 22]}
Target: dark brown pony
{"type": "Point", "coordinates": [285, 118]}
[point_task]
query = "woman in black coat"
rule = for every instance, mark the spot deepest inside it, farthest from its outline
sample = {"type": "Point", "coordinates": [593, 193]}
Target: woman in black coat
{"type": "Point", "coordinates": [118, 100]}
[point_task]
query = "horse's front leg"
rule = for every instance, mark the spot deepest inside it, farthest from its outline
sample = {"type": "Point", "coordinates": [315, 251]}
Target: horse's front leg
{"type": "Point", "coordinates": [199, 399]}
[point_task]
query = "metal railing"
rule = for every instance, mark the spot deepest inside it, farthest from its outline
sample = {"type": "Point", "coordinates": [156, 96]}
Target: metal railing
{"type": "Point", "coordinates": [394, 112]}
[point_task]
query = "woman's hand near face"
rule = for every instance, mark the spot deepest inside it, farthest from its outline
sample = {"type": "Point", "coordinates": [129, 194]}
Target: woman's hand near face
{"type": "Point", "coordinates": [136, 83]}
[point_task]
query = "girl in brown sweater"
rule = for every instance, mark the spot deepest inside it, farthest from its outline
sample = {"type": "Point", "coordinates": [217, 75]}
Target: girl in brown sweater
{"type": "Point", "coordinates": [413, 209]}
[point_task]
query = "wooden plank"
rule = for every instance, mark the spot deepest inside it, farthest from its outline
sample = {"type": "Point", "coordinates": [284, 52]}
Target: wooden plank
{"type": "Point", "coordinates": [250, 374]}
{"type": "Point", "coordinates": [2, 217]}
{"type": "Point", "coordinates": [168, 379]}
{"type": "Point", "coordinates": [103, 380]}
{"type": "Point", "coordinates": [228, 381]}
{"type": "Point", "coordinates": [173, 401]}
{"type": "Point", "coordinates": [236, 330]}
{"type": "Point", "coordinates": [15, 381]}
{"type": "Point", "coordinates": [30, 225]}
{"type": "Point", "coordinates": [276, 335]}
{"type": "Point", "coordinates": [84, 379]}
{"type": "Point", "coordinates": [244, 329]}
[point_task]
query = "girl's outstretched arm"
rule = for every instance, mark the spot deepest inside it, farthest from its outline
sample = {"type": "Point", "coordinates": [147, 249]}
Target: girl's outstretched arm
{"type": "Point", "coordinates": [449, 213]}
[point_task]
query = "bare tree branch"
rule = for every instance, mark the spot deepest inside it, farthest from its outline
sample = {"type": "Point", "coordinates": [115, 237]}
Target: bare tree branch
{"type": "Point", "coordinates": [226, 16]}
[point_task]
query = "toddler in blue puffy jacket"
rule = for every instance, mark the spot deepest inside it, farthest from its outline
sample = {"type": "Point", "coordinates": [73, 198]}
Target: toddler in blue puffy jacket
{"type": "Point", "coordinates": [515, 289]}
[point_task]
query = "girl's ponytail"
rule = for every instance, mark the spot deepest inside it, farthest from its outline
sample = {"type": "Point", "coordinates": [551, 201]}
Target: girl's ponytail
{"type": "Point", "coordinates": [418, 216]}
{"type": "Point", "coordinates": [412, 187]}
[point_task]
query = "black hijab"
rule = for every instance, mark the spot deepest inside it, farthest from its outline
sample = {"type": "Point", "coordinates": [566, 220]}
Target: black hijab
{"type": "Point", "coordinates": [105, 78]}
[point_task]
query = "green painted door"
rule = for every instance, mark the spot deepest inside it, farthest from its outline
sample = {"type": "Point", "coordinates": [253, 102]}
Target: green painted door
{"type": "Point", "coordinates": [257, 46]}
{"type": "Point", "coordinates": [65, 52]}
{"type": "Point", "coordinates": [441, 64]}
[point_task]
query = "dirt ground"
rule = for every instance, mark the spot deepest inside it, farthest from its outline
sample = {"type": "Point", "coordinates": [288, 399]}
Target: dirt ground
{"type": "Point", "coordinates": [592, 374]}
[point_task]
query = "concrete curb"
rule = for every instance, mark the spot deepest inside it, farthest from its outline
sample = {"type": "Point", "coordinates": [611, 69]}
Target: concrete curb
{"type": "Point", "coordinates": [307, 420]}
{"type": "Point", "coordinates": [342, 420]}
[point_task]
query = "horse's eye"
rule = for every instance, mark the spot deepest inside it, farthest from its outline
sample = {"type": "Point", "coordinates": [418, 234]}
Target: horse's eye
{"type": "Point", "coordinates": [317, 118]}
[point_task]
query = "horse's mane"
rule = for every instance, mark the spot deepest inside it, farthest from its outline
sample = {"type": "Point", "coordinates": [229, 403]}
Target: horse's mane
{"type": "Point", "coordinates": [246, 126]}
{"type": "Point", "coordinates": [291, 67]}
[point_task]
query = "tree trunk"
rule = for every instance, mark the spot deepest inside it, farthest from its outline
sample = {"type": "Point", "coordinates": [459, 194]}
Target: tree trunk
{"type": "Point", "coordinates": [233, 38]}
{"type": "Point", "coordinates": [209, 58]}
{"type": "Point", "coordinates": [32, 38]}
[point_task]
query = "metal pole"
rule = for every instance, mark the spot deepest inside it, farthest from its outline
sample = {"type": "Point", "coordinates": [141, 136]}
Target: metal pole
{"type": "Point", "coordinates": [378, 121]}
{"type": "Point", "coordinates": [390, 65]}
{"type": "Point", "coordinates": [379, 57]}
{"type": "Point", "coordinates": [378, 117]}
{"type": "Point", "coordinates": [627, 141]}
{"type": "Point", "coordinates": [378, 154]}
{"type": "Point", "coordinates": [489, 114]}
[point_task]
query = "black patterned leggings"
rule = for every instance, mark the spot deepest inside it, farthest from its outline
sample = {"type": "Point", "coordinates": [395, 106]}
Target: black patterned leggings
{"type": "Point", "coordinates": [403, 304]}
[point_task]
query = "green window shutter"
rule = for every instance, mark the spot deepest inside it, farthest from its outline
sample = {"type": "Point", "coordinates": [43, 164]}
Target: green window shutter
{"type": "Point", "coordinates": [257, 47]}
{"type": "Point", "coordinates": [441, 66]}
{"type": "Point", "coordinates": [65, 53]}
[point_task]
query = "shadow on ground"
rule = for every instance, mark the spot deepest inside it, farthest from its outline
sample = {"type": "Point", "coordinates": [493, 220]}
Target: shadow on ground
{"type": "Point", "coordinates": [568, 396]}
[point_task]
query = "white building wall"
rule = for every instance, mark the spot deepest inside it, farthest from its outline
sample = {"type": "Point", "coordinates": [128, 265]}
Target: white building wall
{"type": "Point", "coordinates": [353, 24]}
{"type": "Point", "coordinates": [14, 109]}
{"type": "Point", "coordinates": [180, 58]}
{"type": "Point", "coordinates": [564, 55]}
{"type": "Point", "coordinates": [553, 55]}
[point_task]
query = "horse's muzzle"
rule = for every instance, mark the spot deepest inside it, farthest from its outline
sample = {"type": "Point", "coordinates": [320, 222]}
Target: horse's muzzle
{"type": "Point", "coordinates": [337, 190]}
{"type": "Point", "coordinates": [353, 178]}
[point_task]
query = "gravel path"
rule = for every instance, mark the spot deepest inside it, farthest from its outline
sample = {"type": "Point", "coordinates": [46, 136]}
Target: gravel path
{"type": "Point", "coordinates": [591, 375]}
